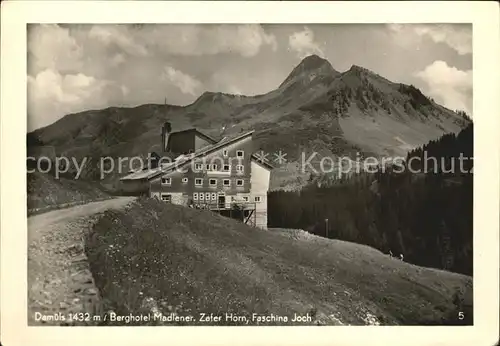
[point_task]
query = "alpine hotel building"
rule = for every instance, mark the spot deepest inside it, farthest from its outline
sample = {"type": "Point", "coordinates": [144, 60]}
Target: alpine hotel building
{"type": "Point", "coordinates": [204, 173]}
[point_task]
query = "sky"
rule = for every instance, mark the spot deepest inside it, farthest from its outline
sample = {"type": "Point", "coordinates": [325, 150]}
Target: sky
{"type": "Point", "coordinates": [72, 68]}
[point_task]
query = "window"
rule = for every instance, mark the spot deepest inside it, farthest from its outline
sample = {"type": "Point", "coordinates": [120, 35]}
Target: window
{"type": "Point", "coordinates": [198, 167]}
{"type": "Point", "coordinates": [166, 181]}
{"type": "Point", "coordinates": [207, 196]}
{"type": "Point", "coordinates": [195, 196]}
{"type": "Point", "coordinates": [226, 168]}
{"type": "Point", "coordinates": [214, 167]}
{"type": "Point", "coordinates": [207, 167]}
{"type": "Point", "coordinates": [239, 182]}
{"type": "Point", "coordinates": [245, 198]}
{"type": "Point", "coordinates": [257, 198]}
{"type": "Point", "coordinates": [202, 196]}
{"type": "Point", "coordinates": [166, 198]}
{"type": "Point", "coordinates": [224, 153]}
{"type": "Point", "coordinates": [226, 182]}
{"type": "Point", "coordinates": [184, 180]}
{"type": "Point", "coordinates": [213, 182]}
{"type": "Point", "coordinates": [239, 153]}
{"type": "Point", "coordinates": [198, 182]}
{"type": "Point", "coordinates": [239, 168]}
{"type": "Point", "coordinates": [214, 196]}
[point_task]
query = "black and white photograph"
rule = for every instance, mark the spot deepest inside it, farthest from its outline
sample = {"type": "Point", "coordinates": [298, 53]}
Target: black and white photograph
{"type": "Point", "coordinates": [251, 174]}
{"type": "Point", "coordinates": [231, 174]}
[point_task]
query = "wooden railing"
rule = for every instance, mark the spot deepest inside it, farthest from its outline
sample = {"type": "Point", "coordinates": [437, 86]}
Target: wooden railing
{"type": "Point", "coordinates": [234, 210]}
{"type": "Point", "coordinates": [219, 205]}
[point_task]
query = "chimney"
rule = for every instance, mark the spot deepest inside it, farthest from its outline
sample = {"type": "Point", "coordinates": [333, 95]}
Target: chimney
{"type": "Point", "coordinates": [165, 132]}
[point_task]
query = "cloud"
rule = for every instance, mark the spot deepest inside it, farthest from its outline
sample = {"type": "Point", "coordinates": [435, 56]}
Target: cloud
{"type": "Point", "coordinates": [118, 59]}
{"type": "Point", "coordinates": [52, 95]}
{"type": "Point", "coordinates": [119, 37]}
{"type": "Point", "coordinates": [226, 81]}
{"type": "Point", "coordinates": [233, 89]}
{"type": "Point", "coordinates": [456, 36]}
{"type": "Point", "coordinates": [52, 47]}
{"type": "Point", "coordinates": [195, 40]}
{"type": "Point", "coordinates": [125, 90]}
{"type": "Point", "coordinates": [237, 81]}
{"type": "Point", "coordinates": [250, 38]}
{"type": "Point", "coordinates": [183, 81]}
{"type": "Point", "coordinates": [453, 87]}
{"type": "Point", "coordinates": [70, 67]}
{"type": "Point", "coordinates": [185, 39]}
{"type": "Point", "coordinates": [303, 43]}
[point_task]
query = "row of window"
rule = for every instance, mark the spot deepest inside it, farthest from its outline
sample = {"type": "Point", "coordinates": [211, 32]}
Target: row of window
{"type": "Point", "coordinates": [198, 167]}
{"type": "Point", "coordinates": [207, 196]}
{"type": "Point", "coordinates": [239, 153]}
{"type": "Point", "coordinates": [199, 182]}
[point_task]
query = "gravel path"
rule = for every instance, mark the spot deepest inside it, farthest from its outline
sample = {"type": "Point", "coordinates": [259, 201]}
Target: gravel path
{"type": "Point", "coordinates": [59, 281]}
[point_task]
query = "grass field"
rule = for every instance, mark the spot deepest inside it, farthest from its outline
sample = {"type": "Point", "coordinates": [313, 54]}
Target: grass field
{"type": "Point", "coordinates": [175, 260]}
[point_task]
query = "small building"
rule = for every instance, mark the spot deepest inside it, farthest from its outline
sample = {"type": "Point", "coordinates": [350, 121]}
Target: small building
{"type": "Point", "coordinates": [198, 171]}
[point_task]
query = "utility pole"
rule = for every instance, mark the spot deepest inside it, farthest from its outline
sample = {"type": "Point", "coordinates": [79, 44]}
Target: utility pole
{"type": "Point", "coordinates": [326, 227]}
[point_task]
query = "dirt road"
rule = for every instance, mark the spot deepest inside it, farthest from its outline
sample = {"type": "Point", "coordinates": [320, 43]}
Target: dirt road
{"type": "Point", "coordinates": [59, 281]}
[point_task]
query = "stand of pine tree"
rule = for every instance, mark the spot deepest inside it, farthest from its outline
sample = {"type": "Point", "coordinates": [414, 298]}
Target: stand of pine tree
{"type": "Point", "coordinates": [425, 212]}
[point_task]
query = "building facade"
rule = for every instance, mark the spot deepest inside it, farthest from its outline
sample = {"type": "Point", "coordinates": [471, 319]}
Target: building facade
{"type": "Point", "coordinates": [198, 171]}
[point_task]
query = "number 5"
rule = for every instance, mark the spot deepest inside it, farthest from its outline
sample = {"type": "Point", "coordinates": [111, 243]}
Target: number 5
{"type": "Point", "coordinates": [460, 315]}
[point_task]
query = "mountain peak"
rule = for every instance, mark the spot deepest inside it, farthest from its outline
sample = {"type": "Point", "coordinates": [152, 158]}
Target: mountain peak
{"type": "Point", "coordinates": [213, 96]}
{"type": "Point", "coordinates": [311, 64]}
{"type": "Point", "coordinates": [314, 61]}
{"type": "Point", "coordinates": [357, 68]}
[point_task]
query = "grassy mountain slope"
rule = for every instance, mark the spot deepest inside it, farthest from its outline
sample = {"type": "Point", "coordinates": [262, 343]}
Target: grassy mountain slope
{"type": "Point", "coordinates": [45, 191]}
{"type": "Point", "coordinates": [319, 108]}
{"type": "Point", "coordinates": [161, 257]}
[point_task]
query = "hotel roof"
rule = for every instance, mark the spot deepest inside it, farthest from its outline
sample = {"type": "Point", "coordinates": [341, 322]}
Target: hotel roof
{"type": "Point", "coordinates": [183, 160]}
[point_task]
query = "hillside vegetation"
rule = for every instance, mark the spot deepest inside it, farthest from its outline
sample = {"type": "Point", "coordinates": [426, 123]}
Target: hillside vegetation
{"type": "Point", "coordinates": [45, 191]}
{"type": "Point", "coordinates": [171, 259]}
